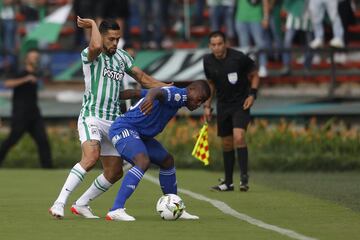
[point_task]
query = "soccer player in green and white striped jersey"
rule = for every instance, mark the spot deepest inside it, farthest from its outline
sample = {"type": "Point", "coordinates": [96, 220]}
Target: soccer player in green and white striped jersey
{"type": "Point", "coordinates": [104, 67]}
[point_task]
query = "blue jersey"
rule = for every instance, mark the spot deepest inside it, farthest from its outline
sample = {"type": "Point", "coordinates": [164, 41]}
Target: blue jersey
{"type": "Point", "coordinates": [151, 124]}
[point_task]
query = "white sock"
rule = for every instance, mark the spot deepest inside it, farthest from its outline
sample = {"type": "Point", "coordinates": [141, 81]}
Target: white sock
{"type": "Point", "coordinates": [76, 176]}
{"type": "Point", "coordinates": [98, 187]}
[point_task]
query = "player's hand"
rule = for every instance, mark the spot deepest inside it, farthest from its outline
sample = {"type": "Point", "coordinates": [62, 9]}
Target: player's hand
{"type": "Point", "coordinates": [147, 105]}
{"type": "Point", "coordinates": [207, 114]}
{"type": "Point", "coordinates": [249, 101]}
{"type": "Point", "coordinates": [85, 22]}
{"type": "Point", "coordinates": [31, 78]}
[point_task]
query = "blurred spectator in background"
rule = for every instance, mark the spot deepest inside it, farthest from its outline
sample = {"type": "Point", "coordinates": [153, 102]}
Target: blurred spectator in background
{"type": "Point", "coordinates": [317, 13]}
{"type": "Point", "coordinates": [346, 10]}
{"type": "Point", "coordinates": [35, 12]}
{"type": "Point", "coordinates": [8, 34]}
{"type": "Point", "coordinates": [26, 115]}
{"type": "Point", "coordinates": [273, 34]}
{"type": "Point", "coordinates": [252, 17]}
{"type": "Point", "coordinates": [84, 9]}
{"type": "Point", "coordinates": [118, 10]}
{"type": "Point", "coordinates": [152, 22]}
{"type": "Point", "coordinates": [199, 12]}
{"type": "Point", "coordinates": [99, 10]}
{"type": "Point", "coordinates": [298, 20]}
{"type": "Point", "coordinates": [222, 12]}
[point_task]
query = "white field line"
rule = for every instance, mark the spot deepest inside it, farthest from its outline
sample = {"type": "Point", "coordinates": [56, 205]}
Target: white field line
{"type": "Point", "coordinates": [228, 210]}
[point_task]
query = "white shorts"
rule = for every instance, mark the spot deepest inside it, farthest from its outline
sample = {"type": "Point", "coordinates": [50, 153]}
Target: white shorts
{"type": "Point", "coordinates": [93, 128]}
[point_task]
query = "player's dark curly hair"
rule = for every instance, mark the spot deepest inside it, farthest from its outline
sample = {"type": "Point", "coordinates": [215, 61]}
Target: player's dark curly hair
{"type": "Point", "coordinates": [204, 86]}
{"type": "Point", "coordinates": [108, 24]}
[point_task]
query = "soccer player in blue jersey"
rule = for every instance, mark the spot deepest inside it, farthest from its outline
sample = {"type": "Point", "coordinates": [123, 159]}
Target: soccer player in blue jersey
{"type": "Point", "coordinates": [133, 135]}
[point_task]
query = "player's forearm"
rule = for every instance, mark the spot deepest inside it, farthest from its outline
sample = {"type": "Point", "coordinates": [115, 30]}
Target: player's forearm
{"type": "Point", "coordinates": [130, 94]}
{"type": "Point", "coordinates": [12, 83]}
{"type": "Point", "coordinates": [155, 93]}
{"type": "Point", "coordinates": [95, 44]}
{"type": "Point", "coordinates": [254, 79]}
{"type": "Point", "coordinates": [150, 82]}
{"type": "Point", "coordinates": [207, 103]}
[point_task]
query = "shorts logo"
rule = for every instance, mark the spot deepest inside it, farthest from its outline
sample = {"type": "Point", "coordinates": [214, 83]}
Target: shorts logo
{"type": "Point", "coordinates": [94, 130]}
{"type": "Point", "coordinates": [113, 74]}
{"type": "Point", "coordinates": [177, 97]}
{"type": "Point", "coordinates": [115, 139]}
{"type": "Point", "coordinates": [233, 77]}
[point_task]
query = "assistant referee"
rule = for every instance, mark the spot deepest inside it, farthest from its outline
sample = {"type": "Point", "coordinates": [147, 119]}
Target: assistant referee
{"type": "Point", "coordinates": [234, 77]}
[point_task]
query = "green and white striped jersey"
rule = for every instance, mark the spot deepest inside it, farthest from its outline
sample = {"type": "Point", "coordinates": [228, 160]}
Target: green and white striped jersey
{"type": "Point", "coordinates": [103, 82]}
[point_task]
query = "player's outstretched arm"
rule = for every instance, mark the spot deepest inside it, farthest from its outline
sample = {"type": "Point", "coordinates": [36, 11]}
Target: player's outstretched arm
{"type": "Point", "coordinates": [95, 44]}
{"type": "Point", "coordinates": [145, 80]}
{"type": "Point", "coordinates": [15, 82]}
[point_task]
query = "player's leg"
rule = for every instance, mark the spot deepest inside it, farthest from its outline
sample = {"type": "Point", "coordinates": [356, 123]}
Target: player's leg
{"type": "Point", "coordinates": [90, 138]}
{"type": "Point", "coordinates": [17, 129]}
{"type": "Point", "coordinates": [38, 133]}
{"type": "Point", "coordinates": [159, 156]}
{"type": "Point", "coordinates": [112, 166]}
{"type": "Point", "coordinates": [241, 120]}
{"type": "Point", "coordinates": [224, 128]}
{"type": "Point", "coordinates": [167, 174]}
{"type": "Point", "coordinates": [131, 148]}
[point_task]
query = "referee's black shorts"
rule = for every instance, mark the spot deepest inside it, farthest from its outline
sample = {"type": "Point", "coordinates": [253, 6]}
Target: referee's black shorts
{"type": "Point", "coordinates": [231, 117]}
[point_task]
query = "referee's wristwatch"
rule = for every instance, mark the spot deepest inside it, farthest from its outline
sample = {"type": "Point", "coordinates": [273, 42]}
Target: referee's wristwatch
{"type": "Point", "coordinates": [253, 92]}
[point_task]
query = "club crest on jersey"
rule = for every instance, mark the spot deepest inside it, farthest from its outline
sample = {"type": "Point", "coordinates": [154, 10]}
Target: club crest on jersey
{"type": "Point", "coordinates": [177, 97]}
{"type": "Point", "coordinates": [113, 74]}
{"type": "Point", "coordinates": [232, 77]}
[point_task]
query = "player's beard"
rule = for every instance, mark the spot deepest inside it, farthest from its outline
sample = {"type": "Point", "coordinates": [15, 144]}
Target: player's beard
{"type": "Point", "coordinates": [110, 51]}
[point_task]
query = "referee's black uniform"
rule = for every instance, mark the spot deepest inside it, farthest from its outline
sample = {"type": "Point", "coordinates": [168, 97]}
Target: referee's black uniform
{"type": "Point", "coordinates": [230, 78]}
{"type": "Point", "coordinates": [26, 117]}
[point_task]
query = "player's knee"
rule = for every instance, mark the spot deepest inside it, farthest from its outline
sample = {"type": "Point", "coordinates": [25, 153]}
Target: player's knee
{"type": "Point", "coordinates": [142, 161]}
{"type": "Point", "coordinates": [88, 161]}
{"type": "Point", "coordinates": [113, 175]}
{"type": "Point", "coordinates": [240, 140]}
{"type": "Point", "coordinates": [227, 145]}
{"type": "Point", "coordinates": [168, 162]}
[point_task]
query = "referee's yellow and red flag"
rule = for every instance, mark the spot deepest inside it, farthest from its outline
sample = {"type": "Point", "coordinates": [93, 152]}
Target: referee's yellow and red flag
{"type": "Point", "coordinates": [201, 148]}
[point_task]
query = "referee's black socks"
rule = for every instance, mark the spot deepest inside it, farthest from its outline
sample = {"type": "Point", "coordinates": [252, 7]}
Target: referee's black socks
{"type": "Point", "coordinates": [242, 154]}
{"type": "Point", "coordinates": [229, 161]}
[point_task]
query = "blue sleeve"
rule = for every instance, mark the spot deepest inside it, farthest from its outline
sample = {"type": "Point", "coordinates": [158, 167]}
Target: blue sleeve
{"type": "Point", "coordinates": [143, 92]}
{"type": "Point", "coordinates": [175, 97]}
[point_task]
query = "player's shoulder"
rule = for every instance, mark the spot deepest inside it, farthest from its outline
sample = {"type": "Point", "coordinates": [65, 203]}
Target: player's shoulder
{"type": "Point", "coordinates": [235, 53]}
{"type": "Point", "coordinates": [122, 53]}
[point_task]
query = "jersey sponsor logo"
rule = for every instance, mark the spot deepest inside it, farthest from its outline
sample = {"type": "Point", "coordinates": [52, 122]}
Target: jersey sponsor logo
{"type": "Point", "coordinates": [113, 74]}
{"type": "Point", "coordinates": [233, 77]}
{"type": "Point", "coordinates": [177, 97]}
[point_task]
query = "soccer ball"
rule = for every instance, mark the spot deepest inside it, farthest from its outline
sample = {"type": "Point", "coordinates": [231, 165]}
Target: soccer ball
{"type": "Point", "coordinates": [170, 206]}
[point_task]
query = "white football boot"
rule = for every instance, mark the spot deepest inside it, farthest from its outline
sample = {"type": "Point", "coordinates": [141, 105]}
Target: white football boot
{"type": "Point", "coordinates": [187, 216]}
{"type": "Point", "coordinates": [119, 215]}
{"type": "Point", "coordinates": [57, 210]}
{"type": "Point", "coordinates": [84, 211]}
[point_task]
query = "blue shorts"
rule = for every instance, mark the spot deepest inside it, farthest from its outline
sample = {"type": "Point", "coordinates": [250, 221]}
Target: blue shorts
{"type": "Point", "coordinates": [129, 144]}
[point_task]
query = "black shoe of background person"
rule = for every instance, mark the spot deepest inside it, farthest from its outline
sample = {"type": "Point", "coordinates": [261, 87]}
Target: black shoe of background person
{"type": "Point", "coordinates": [223, 187]}
{"type": "Point", "coordinates": [244, 187]}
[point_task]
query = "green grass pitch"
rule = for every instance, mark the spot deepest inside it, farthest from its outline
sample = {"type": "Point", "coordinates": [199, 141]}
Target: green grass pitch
{"type": "Point", "coordinates": [317, 213]}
